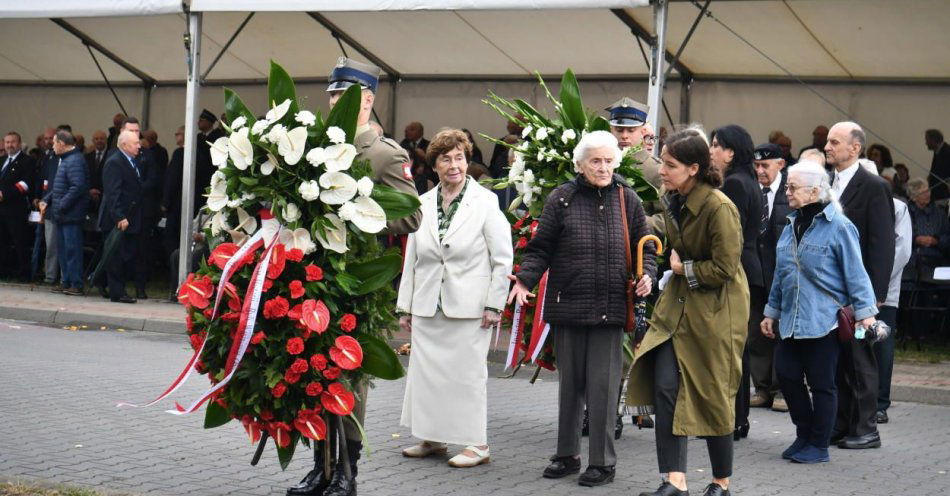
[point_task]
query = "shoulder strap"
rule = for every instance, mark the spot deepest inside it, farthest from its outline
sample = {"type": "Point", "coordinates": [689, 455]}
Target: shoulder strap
{"type": "Point", "coordinates": [626, 232]}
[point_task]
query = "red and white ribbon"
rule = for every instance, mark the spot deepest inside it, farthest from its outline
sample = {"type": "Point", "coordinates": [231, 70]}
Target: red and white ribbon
{"type": "Point", "coordinates": [252, 245]}
{"type": "Point", "coordinates": [517, 330]}
{"type": "Point", "coordinates": [539, 328]}
{"type": "Point", "coordinates": [23, 187]}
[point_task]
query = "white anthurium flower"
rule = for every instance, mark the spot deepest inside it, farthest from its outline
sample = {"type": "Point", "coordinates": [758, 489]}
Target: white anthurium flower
{"type": "Point", "coordinates": [269, 227]}
{"type": "Point", "coordinates": [277, 113]}
{"type": "Point", "coordinates": [240, 149]}
{"type": "Point", "coordinates": [235, 203]}
{"type": "Point", "coordinates": [246, 222]}
{"type": "Point", "coordinates": [568, 135]}
{"type": "Point", "coordinates": [290, 213]}
{"type": "Point", "coordinates": [339, 157]}
{"type": "Point", "coordinates": [237, 237]}
{"type": "Point", "coordinates": [309, 190]}
{"type": "Point", "coordinates": [292, 145]}
{"type": "Point", "coordinates": [335, 238]}
{"type": "Point", "coordinates": [306, 118]}
{"type": "Point", "coordinates": [260, 126]}
{"type": "Point", "coordinates": [275, 134]}
{"type": "Point", "coordinates": [541, 133]}
{"type": "Point", "coordinates": [368, 216]}
{"type": "Point", "coordinates": [336, 135]}
{"type": "Point", "coordinates": [316, 156]}
{"type": "Point", "coordinates": [297, 239]}
{"type": "Point", "coordinates": [218, 197]}
{"type": "Point", "coordinates": [219, 222]}
{"type": "Point", "coordinates": [338, 188]}
{"type": "Point", "coordinates": [269, 165]}
{"type": "Point", "coordinates": [365, 186]}
{"type": "Point", "coordinates": [248, 196]}
{"type": "Point", "coordinates": [217, 177]}
{"type": "Point", "coordinates": [238, 123]}
{"type": "Point", "coordinates": [526, 132]}
{"type": "Point", "coordinates": [219, 152]}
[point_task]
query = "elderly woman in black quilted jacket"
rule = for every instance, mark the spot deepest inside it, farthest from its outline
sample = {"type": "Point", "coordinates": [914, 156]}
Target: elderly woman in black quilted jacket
{"type": "Point", "coordinates": [580, 242]}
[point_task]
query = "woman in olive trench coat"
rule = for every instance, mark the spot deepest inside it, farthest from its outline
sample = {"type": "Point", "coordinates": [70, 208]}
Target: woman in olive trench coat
{"type": "Point", "coordinates": [687, 368]}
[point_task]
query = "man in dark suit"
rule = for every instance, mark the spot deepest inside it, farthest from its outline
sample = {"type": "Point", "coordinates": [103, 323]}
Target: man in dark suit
{"type": "Point", "coordinates": [208, 133]}
{"type": "Point", "coordinates": [94, 162]}
{"type": "Point", "coordinates": [413, 138]}
{"type": "Point", "coordinates": [769, 165]}
{"type": "Point", "coordinates": [866, 200]}
{"type": "Point", "coordinates": [115, 130]}
{"type": "Point", "coordinates": [940, 166]}
{"type": "Point", "coordinates": [15, 176]}
{"type": "Point", "coordinates": [122, 182]}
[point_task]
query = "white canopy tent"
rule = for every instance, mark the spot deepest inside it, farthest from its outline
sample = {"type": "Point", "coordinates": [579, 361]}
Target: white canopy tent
{"type": "Point", "coordinates": [877, 60]}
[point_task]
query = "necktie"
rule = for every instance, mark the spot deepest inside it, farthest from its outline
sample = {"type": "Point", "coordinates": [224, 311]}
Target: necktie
{"type": "Point", "coordinates": [764, 225]}
{"type": "Point", "coordinates": [136, 168]}
{"type": "Point", "coordinates": [834, 185]}
{"type": "Point", "coordinates": [98, 157]}
{"type": "Point", "coordinates": [5, 164]}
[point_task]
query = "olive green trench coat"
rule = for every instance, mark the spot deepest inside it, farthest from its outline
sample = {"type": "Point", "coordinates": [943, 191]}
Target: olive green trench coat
{"type": "Point", "coordinates": [708, 324]}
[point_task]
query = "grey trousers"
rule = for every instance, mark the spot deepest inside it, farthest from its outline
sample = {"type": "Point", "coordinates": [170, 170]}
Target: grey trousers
{"type": "Point", "coordinates": [589, 361]}
{"type": "Point", "coordinates": [51, 265]}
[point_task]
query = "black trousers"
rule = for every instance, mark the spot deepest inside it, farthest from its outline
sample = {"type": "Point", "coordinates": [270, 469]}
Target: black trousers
{"type": "Point", "coordinates": [815, 360]}
{"type": "Point", "coordinates": [670, 448]}
{"type": "Point", "coordinates": [122, 264]}
{"type": "Point", "coordinates": [761, 349]}
{"type": "Point", "coordinates": [16, 229]}
{"type": "Point", "coordinates": [857, 389]}
{"type": "Point", "coordinates": [884, 354]}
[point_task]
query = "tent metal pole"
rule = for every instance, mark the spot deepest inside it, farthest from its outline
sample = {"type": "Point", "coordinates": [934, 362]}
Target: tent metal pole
{"type": "Point", "coordinates": [87, 40]}
{"type": "Point", "coordinates": [227, 45]}
{"type": "Point", "coordinates": [394, 89]}
{"type": "Point", "coordinates": [655, 94]}
{"type": "Point", "coordinates": [689, 34]}
{"type": "Point", "coordinates": [340, 34]}
{"type": "Point", "coordinates": [686, 90]}
{"type": "Point", "coordinates": [193, 85]}
{"type": "Point", "coordinates": [147, 104]}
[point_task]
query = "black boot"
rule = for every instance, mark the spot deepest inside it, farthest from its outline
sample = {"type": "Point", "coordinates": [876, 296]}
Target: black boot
{"type": "Point", "coordinates": [585, 427]}
{"type": "Point", "coordinates": [314, 483]}
{"type": "Point", "coordinates": [340, 484]}
{"type": "Point", "coordinates": [618, 428]}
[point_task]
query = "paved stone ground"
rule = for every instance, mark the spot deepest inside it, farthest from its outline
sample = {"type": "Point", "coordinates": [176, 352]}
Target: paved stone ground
{"type": "Point", "coordinates": [58, 387]}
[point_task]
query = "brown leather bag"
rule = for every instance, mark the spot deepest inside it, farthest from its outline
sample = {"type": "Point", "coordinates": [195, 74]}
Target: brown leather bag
{"type": "Point", "coordinates": [630, 286]}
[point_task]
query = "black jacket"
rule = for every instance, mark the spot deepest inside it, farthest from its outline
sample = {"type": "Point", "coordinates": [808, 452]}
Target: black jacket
{"type": "Point", "coordinates": [767, 240]}
{"type": "Point", "coordinates": [940, 167]}
{"type": "Point", "coordinates": [122, 194]}
{"type": "Point", "coordinates": [95, 168]}
{"type": "Point", "coordinates": [579, 240]}
{"type": "Point", "coordinates": [746, 194]}
{"type": "Point", "coordinates": [70, 196]}
{"type": "Point", "coordinates": [16, 202]}
{"type": "Point", "coordinates": [867, 203]}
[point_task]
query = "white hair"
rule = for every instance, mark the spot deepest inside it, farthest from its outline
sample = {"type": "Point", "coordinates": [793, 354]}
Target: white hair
{"type": "Point", "coordinates": [592, 140]}
{"type": "Point", "coordinates": [868, 165]}
{"type": "Point", "coordinates": [815, 176]}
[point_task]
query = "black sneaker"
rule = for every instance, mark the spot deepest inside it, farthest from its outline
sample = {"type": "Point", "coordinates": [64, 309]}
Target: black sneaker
{"type": "Point", "coordinates": [562, 466]}
{"type": "Point", "coordinates": [596, 476]}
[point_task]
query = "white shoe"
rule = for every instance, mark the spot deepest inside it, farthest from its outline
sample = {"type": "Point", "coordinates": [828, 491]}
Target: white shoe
{"type": "Point", "coordinates": [462, 460]}
{"type": "Point", "coordinates": [425, 449]}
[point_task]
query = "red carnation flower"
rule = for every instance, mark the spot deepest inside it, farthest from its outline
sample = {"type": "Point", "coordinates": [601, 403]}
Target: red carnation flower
{"type": "Point", "coordinates": [318, 361]}
{"type": "Point", "coordinates": [278, 259]}
{"type": "Point", "coordinates": [276, 307]}
{"type": "Point", "coordinates": [278, 390]}
{"type": "Point", "coordinates": [347, 353]}
{"type": "Point", "coordinates": [267, 285]}
{"type": "Point", "coordinates": [534, 228]}
{"type": "Point", "coordinates": [196, 341]}
{"type": "Point", "coordinates": [195, 291]}
{"type": "Point", "coordinates": [519, 223]}
{"type": "Point", "coordinates": [337, 400]}
{"type": "Point", "coordinates": [207, 313]}
{"type": "Point", "coordinates": [222, 253]}
{"type": "Point", "coordinates": [314, 273]}
{"type": "Point", "coordinates": [296, 289]}
{"type": "Point", "coordinates": [231, 317]}
{"type": "Point", "coordinates": [295, 346]}
{"type": "Point", "coordinates": [295, 312]}
{"type": "Point", "coordinates": [314, 389]}
{"type": "Point", "coordinates": [315, 316]}
{"type": "Point", "coordinates": [189, 323]}
{"type": "Point", "coordinates": [348, 322]}
{"type": "Point", "coordinates": [300, 366]}
{"type": "Point", "coordinates": [522, 242]}
{"type": "Point", "coordinates": [332, 373]}
{"type": "Point", "coordinates": [295, 255]}
{"type": "Point", "coordinates": [291, 377]}
{"type": "Point", "coordinates": [310, 425]}
{"type": "Point", "coordinates": [258, 337]}
{"type": "Point", "coordinates": [267, 415]}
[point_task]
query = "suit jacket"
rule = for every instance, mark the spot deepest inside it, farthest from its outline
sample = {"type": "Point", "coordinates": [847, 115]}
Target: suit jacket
{"type": "Point", "coordinates": [390, 168]}
{"type": "Point", "coordinates": [423, 143]}
{"type": "Point", "coordinates": [746, 194]}
{"type": "Point", "coordinates": [768, 240]}
{"type": "Point", "coordinates": [152, 181]}
{"type": "Point", "coordinates": [17, 176]}
{"type": "Point", "coordinates": [867, 203]}
{"type": "Point", "coordinates": [468, 269]}
{"type": "Point", "coordinates": [95, 168]}
{"type": "Point", "coordinates": [122, 194]}
{"type": "Point", "coordinates": [940, 167]}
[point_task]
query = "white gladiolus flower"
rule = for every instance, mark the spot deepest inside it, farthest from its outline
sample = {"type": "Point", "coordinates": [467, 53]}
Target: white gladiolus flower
{"type": "Point", "coordinates": [238, 123]}
{"type": "Point", "coordinates": [309, 190]}
{"type": "Point", "coordinates": [246, 223]}
{"type": "Point", "coordinates": [338, 188]}
{"type": "Point", "coordinates": [277, 113]}
{"type": "Point", "coordinates": [541, 133]}
{"type": "Point", "coordinates": [259, 127]}
{"type": "Point", "coordinates": [306, 118]}
{"type": "Point", "coordinates": [335, 238]}
{"type": "Point", "coordinates": [219, 222]}
{"type": "Point", "coordinates": [568, 135]}
{"type": "Point", "coordinates": [516, 170]}
{"type": "Point", "coordinates": [290, 213]}
{"type": "Point", "coordinates": [365, 186]}
{"type": "Point", "coordinates": [292, 144]}
{"type": "Point", "coordinates": [526, 132]}
{"type": "Point", "coordinates": [297, 239]}
{"type": "Point", "coordinates": [269, 165]}
{"type": "Point", "coordinates": [368, 216]}
{"type": "Point", "coordinates": [336, 135]}
{"type": "Point", "coordinates": [316, 156]}
{"type": "Point", "coordinates": [218, 197]}
{"type": "Point", "coordinates": [240, 149]}
{"type": "Point", "coordinates": [540, 156]}
{"type": "Point", "coordinates": [339, 157]}
{"type": "Point", "coordinates": [219, 152]}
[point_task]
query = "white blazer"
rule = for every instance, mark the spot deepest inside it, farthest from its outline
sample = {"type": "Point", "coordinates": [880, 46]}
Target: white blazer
{"type": "Point", "coordinates": [469, 269]}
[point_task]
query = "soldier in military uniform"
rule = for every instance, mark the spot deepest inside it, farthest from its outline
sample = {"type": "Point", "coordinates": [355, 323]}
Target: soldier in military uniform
{"type": "Point", "coordinates": [391, 167]}
{"type": "Point", "coordinates": [628, 123]}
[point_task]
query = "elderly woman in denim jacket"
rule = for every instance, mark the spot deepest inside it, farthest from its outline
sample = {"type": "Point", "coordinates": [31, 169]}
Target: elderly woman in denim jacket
{"type": "Point", "coordinates": [818, 268]}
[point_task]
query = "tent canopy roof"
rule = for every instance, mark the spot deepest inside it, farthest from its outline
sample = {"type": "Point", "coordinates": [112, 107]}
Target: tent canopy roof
{"type": "Point", "coordinates": [846, 39]}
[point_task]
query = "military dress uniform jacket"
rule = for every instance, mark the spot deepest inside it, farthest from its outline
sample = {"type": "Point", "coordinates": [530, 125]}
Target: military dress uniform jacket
{"type": "Point", "coordinates": [707, 321]}
{"type": "Point", "coordinates": [650, 166]}
{"type": "Point", "coordinates": [391, 168]}
{"type": "Point", "coordinates": [15, 184]}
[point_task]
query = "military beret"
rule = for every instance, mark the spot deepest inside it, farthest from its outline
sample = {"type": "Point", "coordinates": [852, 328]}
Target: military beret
{"type": "Point", "coordinates": [768, 151]}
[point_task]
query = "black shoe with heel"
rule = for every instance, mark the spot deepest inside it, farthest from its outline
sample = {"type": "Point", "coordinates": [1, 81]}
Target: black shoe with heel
{"type": "Point", "coordinates": [597, 476]}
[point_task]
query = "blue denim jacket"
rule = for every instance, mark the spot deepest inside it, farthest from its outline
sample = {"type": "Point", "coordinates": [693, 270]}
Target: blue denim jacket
{"type": "Point", "coordinates": [829, 256]}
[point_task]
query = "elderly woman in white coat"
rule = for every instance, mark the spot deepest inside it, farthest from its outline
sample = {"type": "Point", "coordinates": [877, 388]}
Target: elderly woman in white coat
{"type": "Point", "coordinates": [454, 284]}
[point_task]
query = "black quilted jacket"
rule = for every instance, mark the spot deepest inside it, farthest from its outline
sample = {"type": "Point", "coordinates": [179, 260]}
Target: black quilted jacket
{"type": "Point", "coordinates": [580, 241]}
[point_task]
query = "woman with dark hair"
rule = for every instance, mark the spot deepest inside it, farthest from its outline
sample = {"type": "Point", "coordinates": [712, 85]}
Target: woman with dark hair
{"type": "Point", "coordinates": [881, 156]}
{"type": "Point", "coordinates": [731, 152]}
{"type": "Point", "coordinates": [686, 369]}
{"type": "Point", "coordinates": [476, 152]}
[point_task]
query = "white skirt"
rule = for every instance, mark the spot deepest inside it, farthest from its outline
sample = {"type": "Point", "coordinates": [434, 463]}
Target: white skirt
{"type": "Point", "coordinates": [447, 383]}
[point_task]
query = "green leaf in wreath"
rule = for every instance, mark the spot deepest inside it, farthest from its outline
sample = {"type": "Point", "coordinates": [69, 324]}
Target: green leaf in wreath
{"type": "Point", "coordinates": [598, 123]}
{"type": "Point", "coordinates": [572, 110]}
{"type": "Point", "coordinates": [527, 110]}
{"type": "Point", "coordinates": [234, 107]}
{"type": "Point", "coordinates": [379, 360]}
{"type": "Point", "coordinates": [284, 455]}
{"type": "Point", "coordinates": [376, 273]}
{"type": "Point", "coordinates": [280, 87]}
{"type": "Point", "coordinates": [250, 181]}
{"type": "Point", "coordinates": [216, 416]}
{"type": "Point", "coordinates": [346, 111]}
{"type": "Point", "coordinates": [348, 282]}
{"type": "Point", "coordinates": [396, 203]}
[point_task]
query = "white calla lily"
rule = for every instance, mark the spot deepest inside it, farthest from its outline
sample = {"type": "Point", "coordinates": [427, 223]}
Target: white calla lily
{"type": "Point", "coordinates": [277, 113]}
{"type": "Point", "coordinates": [339, 157]}
{"type": "Point", "coordinates": [338, 188]}
{"type": "Point", "coordinates": [306, 118]}
{"type": "Point", "coordinates": [336, 135]}
{"type": "Point", "coordinates": [365, 186]}
{"type": "Point", "coordinates": [309, 190]}
{"type": "Point", "coordinates": [335, 238]}
{"type": "Point", "coordinates": [316, 156]}
{"type": "Point", "coordinates": [368, 216]}
{"type": "Point", "coordinates": [290, 212]}
{"type": "Point", "coordinates": [269, 165]}
{"type": "Point", "coordinates": [297, 239]}
{"type": "Point", "coordinates": [240, 149]}
{"type": "Point", "coordinates": [292, 144]}
{"type": "Point", "coordinates": [246, 222]}
{"type": "Point", "coordinates": [219, 151]}
{"type": "Point", "coordinates": [218, 197]}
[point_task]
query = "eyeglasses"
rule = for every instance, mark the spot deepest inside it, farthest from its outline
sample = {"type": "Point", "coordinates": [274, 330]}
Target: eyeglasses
{"type": "Point", "coordinates": [791, 187]}
{"type": "Point", "coordinates": [649, 139]}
